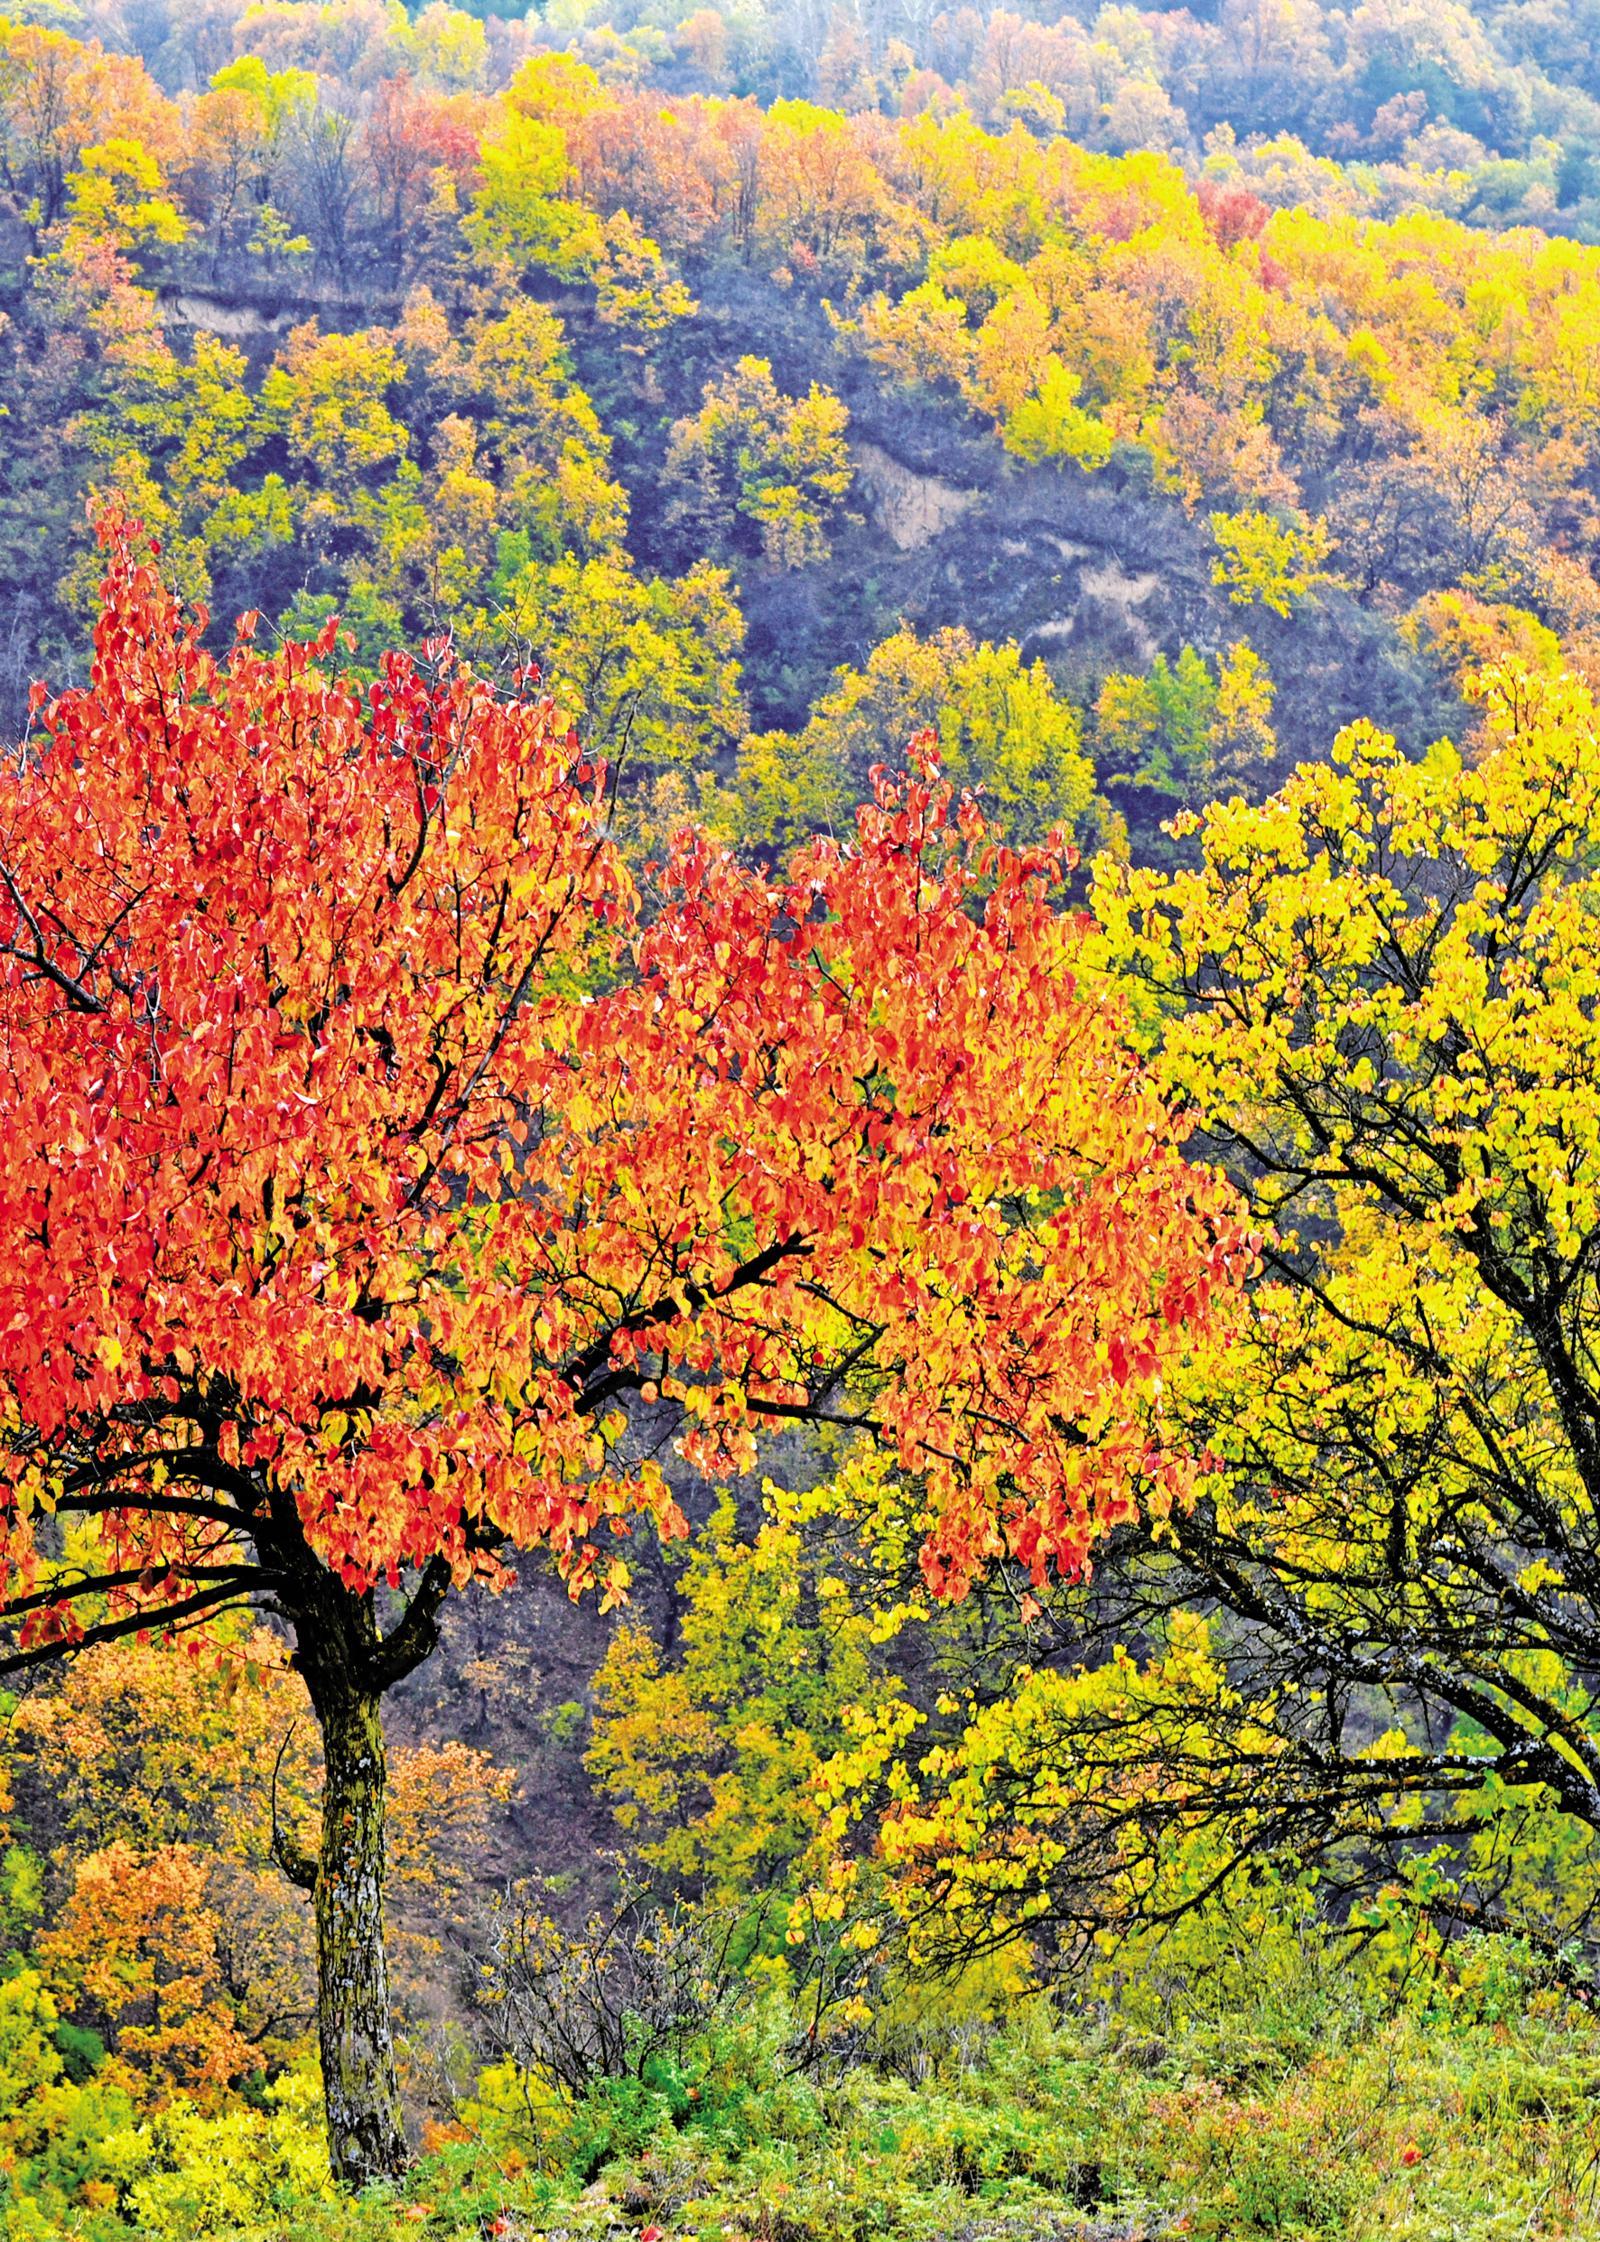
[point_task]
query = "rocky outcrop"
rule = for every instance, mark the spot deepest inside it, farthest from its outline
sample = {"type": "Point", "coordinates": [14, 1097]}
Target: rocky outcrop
{"type": "Point", "coordinates": [909, 508]}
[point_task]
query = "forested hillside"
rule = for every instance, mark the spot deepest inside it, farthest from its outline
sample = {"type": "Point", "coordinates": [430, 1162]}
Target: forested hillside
{"type": "Point", "coordinates": [702, 403]}
{"type": "Point", "coordinates": [799, 1137]}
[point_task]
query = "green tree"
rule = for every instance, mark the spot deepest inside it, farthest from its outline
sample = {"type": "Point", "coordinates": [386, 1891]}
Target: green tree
{"type": "Point", "coordinates": [648, 666]}
{"type": "Point", "coordinates": [525, 212]}
{"type": "Point", "coordinates": [1051, 424]}
{"type": "Point", "coordinates": [1275, 563]}
{"type": "Point", "coordinates": [1176, 734]}
{"type": "Point", "coordinates": [711, 1761]}
{"type": "Point", "coordinates": [117, 196]}
{"type": "Point", "coordinates": [751, 459]}
{"type": "Point", "coordinates": [999, 726]}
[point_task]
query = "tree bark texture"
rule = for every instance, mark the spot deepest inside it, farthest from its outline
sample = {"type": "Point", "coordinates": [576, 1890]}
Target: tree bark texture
{"type": "Point", "coordinates": [366, 2137]}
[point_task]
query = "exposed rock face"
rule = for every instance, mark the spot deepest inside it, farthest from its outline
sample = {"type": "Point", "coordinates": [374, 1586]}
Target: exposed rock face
{"type": "Point", "coordinates": [233, 321]}
{"type": "Point", "coordinates": [1109, 586]}
{"type": "Point", "coordinates": [909, 508]}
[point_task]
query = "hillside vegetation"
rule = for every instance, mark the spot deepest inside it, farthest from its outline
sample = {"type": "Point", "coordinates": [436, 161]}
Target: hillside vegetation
{"type": "Point", "coordinates": [701, 401]}
{"type": "Point", "coordinates": [799, 1122]}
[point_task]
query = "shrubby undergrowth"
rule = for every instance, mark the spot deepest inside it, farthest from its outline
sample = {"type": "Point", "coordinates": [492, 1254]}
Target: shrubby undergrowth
{"type": "Point", "coordinates": [1249, 2080]}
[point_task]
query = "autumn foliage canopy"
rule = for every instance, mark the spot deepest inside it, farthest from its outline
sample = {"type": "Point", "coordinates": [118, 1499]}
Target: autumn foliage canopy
{"type": "Point", "coordinates": [388, 1180]}
{"type": "Point", "coordinates": [367, 1147]}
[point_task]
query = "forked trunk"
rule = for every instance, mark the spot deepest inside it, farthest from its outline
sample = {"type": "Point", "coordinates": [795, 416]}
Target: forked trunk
{"type": "Point", "coordinates": [366, 2139]}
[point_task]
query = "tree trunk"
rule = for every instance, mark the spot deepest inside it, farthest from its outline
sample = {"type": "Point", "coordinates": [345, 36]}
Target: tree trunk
{"type": "Point", "coordinates": [346, 1663]}
{"type": "Point", "coordinates": [366, 2139]}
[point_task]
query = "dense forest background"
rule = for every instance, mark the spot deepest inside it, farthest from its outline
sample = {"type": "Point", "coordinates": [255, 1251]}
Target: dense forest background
{"type": "Point", "coordinates": [1066, 369]}
{"type": "Point", "coordinates": [1135, 398]}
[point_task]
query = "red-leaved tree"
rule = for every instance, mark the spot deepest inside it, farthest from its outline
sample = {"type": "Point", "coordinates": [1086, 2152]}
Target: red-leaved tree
{"type": "Point", "coordinates": [372, 1163]}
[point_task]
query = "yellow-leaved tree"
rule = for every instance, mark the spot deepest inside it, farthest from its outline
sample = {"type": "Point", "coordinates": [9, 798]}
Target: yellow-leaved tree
{"type": "Point", "coordinates": [752, 460]}
{"type": "Point", "coordinates": [999, 726]}
{"type": "Point", "coordinates": [1378, 996]}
